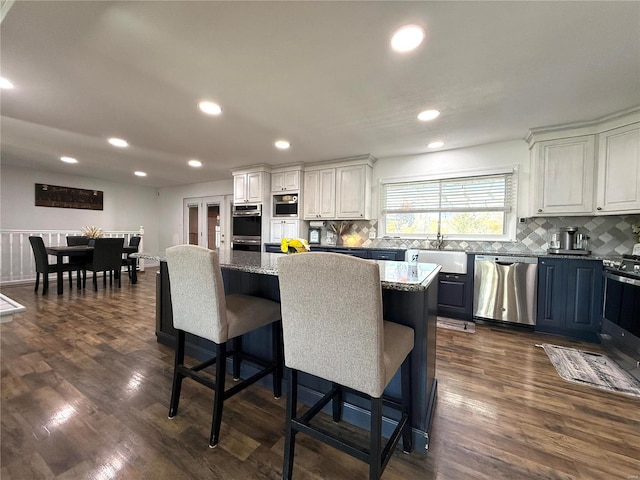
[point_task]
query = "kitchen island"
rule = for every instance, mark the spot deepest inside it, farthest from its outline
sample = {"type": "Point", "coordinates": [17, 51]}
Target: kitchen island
{"type": "Point", "coordinates": [409, 294]}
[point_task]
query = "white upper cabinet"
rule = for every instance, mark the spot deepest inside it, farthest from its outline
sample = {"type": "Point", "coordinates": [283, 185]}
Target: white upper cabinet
{"type": "Point", "coordinates": [319, 194]}
{"type": "Point", "coordinates": [590, 168]}
{"type": "Point", "coordinates": [340, 190]}
{"type": "Point", "coordinates": [287, 181]}
{"type": "Point", "coordinates": [618, 186]}
{"type": "Point", "coordinates": [562, 172]}
{"type": "Point", "coordinates": [353, 190]}
{"type": "Point", "coordinates": [249, 187]}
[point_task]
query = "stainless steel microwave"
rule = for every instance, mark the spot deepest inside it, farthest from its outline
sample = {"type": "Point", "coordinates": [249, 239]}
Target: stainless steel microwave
{"type": "Point", "coordinates": [285, 205]}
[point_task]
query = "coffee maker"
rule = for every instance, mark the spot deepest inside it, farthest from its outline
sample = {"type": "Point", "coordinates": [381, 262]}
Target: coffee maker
{"type": "Point", "coordinates": [567, 241]}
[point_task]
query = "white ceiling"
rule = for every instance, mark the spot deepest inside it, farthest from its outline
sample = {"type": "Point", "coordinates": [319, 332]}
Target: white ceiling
{"type": "Point", "coordinates": [320, 74]}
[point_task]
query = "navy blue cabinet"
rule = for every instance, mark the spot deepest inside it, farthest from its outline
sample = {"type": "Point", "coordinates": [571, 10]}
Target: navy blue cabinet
{"type": "Point", "coordinates": [570, 294]}
{"type": "Point", "coordinates": [455, 293]}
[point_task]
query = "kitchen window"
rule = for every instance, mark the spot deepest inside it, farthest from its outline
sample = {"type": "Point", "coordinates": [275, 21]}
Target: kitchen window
{"type": "Point", "coordinates": [477, 207]}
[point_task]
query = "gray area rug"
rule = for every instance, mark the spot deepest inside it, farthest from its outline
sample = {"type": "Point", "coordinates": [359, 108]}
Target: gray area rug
{"type": "Point", "coordinates": [459, 325]}
{"type": "Point", "coordinates": [592, 369]}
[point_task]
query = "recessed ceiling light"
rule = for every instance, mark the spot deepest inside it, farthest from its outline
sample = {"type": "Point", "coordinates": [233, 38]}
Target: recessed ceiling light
{"type": "Point", "coordinates": [435, 144]}
{"type": "Point", "coordinates": [282, 144]}
{"type": "Point", "coordinates": [428, 115]}
{"type": "Point", "coordinates": [140, 174]}
{"type": "Point", "coordinates": [194, 163]}
{"type": "Point", "coordinates": [210, 108]}
{"type": "Point", "coordinates": [407, 38]}
{"type": "Point", "coordinates": [4, 83]}
{"type": "Point", "coordinates": [68, 159]}
{"type": "Point", "coordinates": [118, 142]}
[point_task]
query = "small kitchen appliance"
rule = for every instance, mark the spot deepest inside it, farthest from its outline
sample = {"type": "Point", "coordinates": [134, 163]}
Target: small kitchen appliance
{"type": "Point", "coordinates": [285, 205]}
{"type": "Point", "coordinates": [567, 241]}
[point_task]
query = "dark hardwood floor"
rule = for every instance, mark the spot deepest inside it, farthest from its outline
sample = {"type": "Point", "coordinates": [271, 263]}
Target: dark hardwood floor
{"type": "Point", "coordinates": [85, 391]}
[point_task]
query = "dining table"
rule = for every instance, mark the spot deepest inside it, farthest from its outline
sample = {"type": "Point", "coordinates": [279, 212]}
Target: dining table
{"type": "Point", "coordinates": [80, 250]}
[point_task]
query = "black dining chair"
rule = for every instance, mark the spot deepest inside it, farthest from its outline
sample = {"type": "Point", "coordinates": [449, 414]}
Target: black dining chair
{"type": "Point", "coordinates": [44, 267]}
{"type": "Point", "coordinates": [107, 257]}
{"type": "Point", "coordinates": [79, 260]}
{"type": "Point", "coordinates": [127, 261]}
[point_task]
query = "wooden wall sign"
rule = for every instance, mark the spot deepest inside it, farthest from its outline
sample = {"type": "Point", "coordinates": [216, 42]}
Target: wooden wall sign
{"type": "Point", "coordinates": [67, 197]}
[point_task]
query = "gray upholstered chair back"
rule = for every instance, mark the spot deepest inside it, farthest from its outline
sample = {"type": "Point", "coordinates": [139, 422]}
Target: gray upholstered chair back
{"type": "Point", "coordinates": [197, 292]}
{"type": "Point", "coordinates": [332, 318]}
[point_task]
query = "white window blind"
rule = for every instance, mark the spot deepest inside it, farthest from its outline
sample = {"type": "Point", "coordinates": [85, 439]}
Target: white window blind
{"type": "Point", "coordinates": [488, 193]}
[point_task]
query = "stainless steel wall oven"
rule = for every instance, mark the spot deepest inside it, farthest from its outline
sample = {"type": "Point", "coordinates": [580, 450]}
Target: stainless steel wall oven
{"type": "Point", "coordinates": [247, 227]}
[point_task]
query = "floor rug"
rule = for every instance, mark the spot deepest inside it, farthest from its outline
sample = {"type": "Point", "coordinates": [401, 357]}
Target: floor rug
{"type": "Point", "coordinates": [459, 325]}
{"type": "Point", "coordinates": [592, 369]}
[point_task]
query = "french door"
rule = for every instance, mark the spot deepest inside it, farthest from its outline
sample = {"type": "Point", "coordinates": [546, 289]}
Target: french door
{"type": "Point", "coordinates": [205, 221]}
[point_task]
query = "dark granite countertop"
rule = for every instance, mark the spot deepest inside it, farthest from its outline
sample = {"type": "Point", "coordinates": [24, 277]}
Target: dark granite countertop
{"type": "Point", "coordinates": [542, 254]}
{"type": "Point", "coordinates": [393, 275]}
{"type": "Point", "coordinates": [345, 247]}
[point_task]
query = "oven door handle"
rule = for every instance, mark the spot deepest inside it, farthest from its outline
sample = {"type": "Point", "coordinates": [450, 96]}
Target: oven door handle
{"type": "Point", "coordinates": [622, 279]}
{"type": "Point", "coordinates": [247, 214]}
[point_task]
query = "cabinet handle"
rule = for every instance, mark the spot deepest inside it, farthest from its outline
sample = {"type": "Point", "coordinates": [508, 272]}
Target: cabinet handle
{"type": "Point", "coordinates": [599, 208]}
{"type": "Point", "coordinates": [539, 210]}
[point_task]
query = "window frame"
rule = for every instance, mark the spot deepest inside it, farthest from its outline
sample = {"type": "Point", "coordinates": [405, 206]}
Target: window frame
{"type": "Point", "coordinates": [511, 217]}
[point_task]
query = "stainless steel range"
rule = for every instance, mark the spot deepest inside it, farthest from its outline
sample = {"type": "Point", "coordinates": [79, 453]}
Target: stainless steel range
{"type": "Point", "coordinates": [621, 312]}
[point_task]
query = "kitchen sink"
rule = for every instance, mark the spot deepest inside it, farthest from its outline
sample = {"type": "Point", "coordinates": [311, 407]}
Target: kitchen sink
{"type": "Point", "coordinates": [452, 262]}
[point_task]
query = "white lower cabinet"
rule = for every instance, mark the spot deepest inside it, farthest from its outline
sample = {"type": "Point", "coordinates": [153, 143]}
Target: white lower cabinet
{"type": "Point", "coordinates": [284, 229]}
{"type": "Point", "coordinates": [618, 186]}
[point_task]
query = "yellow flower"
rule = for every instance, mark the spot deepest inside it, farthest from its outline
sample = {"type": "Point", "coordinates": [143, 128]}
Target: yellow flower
{"type": "Point", "coordinates": [294, 244]}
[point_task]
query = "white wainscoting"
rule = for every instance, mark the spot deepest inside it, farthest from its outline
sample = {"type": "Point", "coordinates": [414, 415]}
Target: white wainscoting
{"type": "Point", "coordinates": [17, 264]}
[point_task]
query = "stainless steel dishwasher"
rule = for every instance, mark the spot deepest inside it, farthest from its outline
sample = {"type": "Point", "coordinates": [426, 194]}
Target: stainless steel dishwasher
{"type": "Point", "coordinates": [504, 288]}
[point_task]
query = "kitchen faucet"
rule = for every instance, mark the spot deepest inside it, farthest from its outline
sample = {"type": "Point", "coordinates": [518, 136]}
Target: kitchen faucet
{"type": "Point", "coordinates": [439, 241]}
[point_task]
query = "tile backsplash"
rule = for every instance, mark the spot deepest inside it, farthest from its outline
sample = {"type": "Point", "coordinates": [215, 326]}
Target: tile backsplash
{"type": "Point", "coordinates": [608, 235]}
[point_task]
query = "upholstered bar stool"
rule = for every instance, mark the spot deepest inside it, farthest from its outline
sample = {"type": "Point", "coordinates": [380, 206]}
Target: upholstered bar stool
{"type": "Point", "coordinates": [333, 329]}
{"type": "Point", "coordinates": [201, 308]}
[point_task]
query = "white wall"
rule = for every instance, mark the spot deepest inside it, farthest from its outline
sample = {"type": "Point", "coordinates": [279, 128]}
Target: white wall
{"type": "Point", "coordinates": [503, 154]}
{"type": "Point", "coordinates": [160, 211]}
{"type": "Point", "coordinates": [126, 206]}
{"type": "Point", "coordinates": [172, 213]}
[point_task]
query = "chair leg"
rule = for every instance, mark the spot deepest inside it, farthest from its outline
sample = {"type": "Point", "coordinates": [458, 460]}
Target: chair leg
{"type": "Point", "coordinates": [79, 278]}
{"type": "Point", "coordinates": [375, 450]}
{"type": "Point", "coordinates": [45, 283]}
{"type": "Point", "coordinates": [237, 357]}
{"type": "Point", "coordinates": [119, 275]}
{"type": "Point", "coordinates": [177, 376]}
{"type": "Point", "coordinates": [290, 433]}
{"type": "Point", "coordinates": [405, 373]}
{"type": "Point", "coordinates": [221, 371]}
{"type": "Point", "coordinates": [276, 347]}
{"type": "Point", "coordinates": [70, 280]}
{"type": "Point", "coordinates": [95, 281]}
{"type": "Point", "coordinates": [337, 403]}
{"type": "Point", "coordinates": [37, 282]}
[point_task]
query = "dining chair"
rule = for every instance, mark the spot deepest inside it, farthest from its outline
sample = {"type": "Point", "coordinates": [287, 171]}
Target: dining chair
{"type": "Point", "coordinates": [333, 328]}
{"type": "Point", "coordinates": [107, 257]}
{"type": "Point", "coordinates": [201, 308]}
{"type": "Point", "coordinates": [79, 260]}
{"type": "Point", "coordinates": [127, 261]}
{"type": "Point", "coordinates": [45, 268]}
